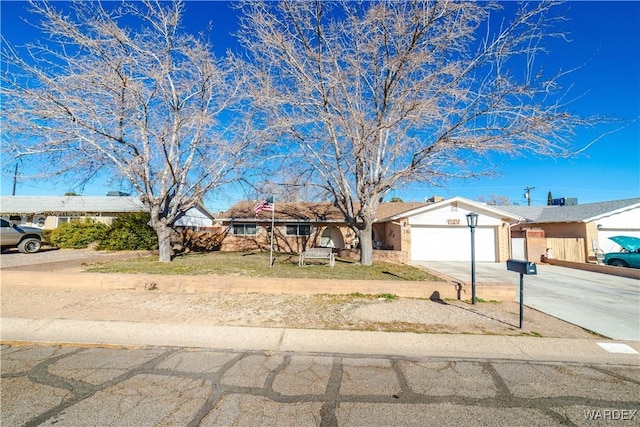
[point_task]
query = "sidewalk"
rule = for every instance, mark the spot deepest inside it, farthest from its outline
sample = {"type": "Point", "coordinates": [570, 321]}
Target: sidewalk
{"type": "Point", "coordinates": [200, 333]}
{"type": "Point", "coordinates": [461, 347]}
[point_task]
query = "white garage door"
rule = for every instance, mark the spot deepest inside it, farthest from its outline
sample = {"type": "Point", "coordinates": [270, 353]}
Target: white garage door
{"type": "Point", "coordinates": [452, 243]}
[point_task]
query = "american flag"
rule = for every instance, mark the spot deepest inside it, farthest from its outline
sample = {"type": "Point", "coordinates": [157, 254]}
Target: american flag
{"type": "Point", "coordinates": [265, 205]}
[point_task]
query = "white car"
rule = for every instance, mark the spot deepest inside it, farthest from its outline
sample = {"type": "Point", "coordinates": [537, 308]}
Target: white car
{"type": "Point", "coordinates": [27, 239]}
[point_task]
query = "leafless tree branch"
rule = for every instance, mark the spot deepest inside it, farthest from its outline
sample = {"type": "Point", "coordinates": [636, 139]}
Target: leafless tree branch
{"type": "Point", "coordinates": [375, 95]}
{"type": "Point", "coordinates": [141, 100]}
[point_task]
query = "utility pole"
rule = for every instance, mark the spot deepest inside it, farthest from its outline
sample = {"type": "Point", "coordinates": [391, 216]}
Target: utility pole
{"type": "Point", "coordinates": [527, 194]}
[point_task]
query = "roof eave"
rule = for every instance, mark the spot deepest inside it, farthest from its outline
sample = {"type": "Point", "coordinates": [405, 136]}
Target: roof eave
{"type": "Point", "coordinates": [498, 212]}
{"type": "Point", "coordinates": [613, 212]}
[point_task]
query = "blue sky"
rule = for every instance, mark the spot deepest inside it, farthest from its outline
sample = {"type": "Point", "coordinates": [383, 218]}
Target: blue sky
{"type": "Point", "coordinates": [604, 43]}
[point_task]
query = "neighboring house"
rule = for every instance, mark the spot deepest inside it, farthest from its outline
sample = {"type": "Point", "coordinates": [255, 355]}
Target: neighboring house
{"type": "Point", "coordinates": [574, 233]}
{"type": "Point", "coordinates": [48, 212]}
{"type": "Point", "coordinates": [403, 231]}
{"type": "Point", "coordinates": [196, 218]}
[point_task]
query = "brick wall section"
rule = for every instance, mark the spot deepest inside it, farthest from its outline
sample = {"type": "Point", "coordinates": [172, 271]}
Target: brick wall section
{"type": "Point", "coordinates": [398, 257]}
{"type": "Point", "coordinates": [393, 235]}
{"type": "Point", "coordinates": [631, 273]}
{"type": "Point", "coordinates": [213, 283]}
{"type": "Point", "coordinates": [536, 244]}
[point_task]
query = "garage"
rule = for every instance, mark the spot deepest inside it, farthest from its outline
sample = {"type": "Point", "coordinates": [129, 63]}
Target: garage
{"type": "Point", "coordinates": [439, 231]}
{"type": "Point", "coordinates": [432, 243]}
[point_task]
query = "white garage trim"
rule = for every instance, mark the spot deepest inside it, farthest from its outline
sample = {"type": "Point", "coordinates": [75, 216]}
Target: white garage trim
{"type": "Point", "coordinates": [430, 243]}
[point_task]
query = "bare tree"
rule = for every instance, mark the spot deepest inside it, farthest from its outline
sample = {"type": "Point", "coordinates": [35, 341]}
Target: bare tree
{"type": "Point", "coordinates": [125, 91]}
{"type": "Point", "coordinates": [496, 200]}
{"type": "Point", "coordinates": [375, 95]}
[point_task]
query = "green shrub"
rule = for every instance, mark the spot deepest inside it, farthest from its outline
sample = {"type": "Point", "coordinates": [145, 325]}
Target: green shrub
{"type": "Point", "coordinates": [46, 236]}
{"type": "Point", "coordinates": [77, 234]}
{"type": "Point", "coordinates": [130, 232]}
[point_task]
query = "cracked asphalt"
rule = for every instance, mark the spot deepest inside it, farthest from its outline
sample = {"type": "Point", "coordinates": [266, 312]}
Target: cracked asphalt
{"type": "Point", "coordinates": [68, 372]}
{"type": "Point", "coordinates": [80, 385]}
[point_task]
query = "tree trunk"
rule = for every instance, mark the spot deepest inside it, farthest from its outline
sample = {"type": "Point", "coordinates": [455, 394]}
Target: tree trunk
{"type": "Point", "coordinates": [366, 245]}
{"type": "Point", "coordinates": [164, 242]}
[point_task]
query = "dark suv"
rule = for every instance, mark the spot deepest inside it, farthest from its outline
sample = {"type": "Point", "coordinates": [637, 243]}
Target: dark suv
{"type": "Point", "coordinates": [27, 239]}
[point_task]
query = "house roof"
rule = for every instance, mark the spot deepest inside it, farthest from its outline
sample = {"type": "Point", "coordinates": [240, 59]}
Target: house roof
{"type": "Point", "coordinates": [311, 211]}
{"type": "Point", "coordinates": [392, 209]}
{"type": "Point", "coordinates": [68, 204]}
{"type": "Point", "coordinates": [302, 211]}
{"type": "Point", "coordinates": [493, 210]}
{"type": "Point", "coordinates": [577, 213]}
{"type": "Point", "coordinates": [20, 205]}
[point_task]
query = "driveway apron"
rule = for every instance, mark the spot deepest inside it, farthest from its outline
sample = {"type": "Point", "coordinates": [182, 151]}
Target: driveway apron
{"type": "Point", "coordinates": [605, 304]}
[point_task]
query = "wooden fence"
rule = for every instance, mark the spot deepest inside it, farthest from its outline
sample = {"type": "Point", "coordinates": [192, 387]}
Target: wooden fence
{"type": "Point", "coordinates": [567, 248]}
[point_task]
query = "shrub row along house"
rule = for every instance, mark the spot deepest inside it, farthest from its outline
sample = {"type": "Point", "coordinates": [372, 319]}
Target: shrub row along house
{"type": "Point", "coordinates": [427, 231]}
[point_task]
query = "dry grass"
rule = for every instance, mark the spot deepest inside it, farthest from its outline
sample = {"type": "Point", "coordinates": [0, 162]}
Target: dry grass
{"type": "Point", "coordinates": [256, 264]}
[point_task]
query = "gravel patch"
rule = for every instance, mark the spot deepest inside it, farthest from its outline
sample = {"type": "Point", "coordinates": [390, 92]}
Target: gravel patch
{"type": "Point", "coordinates": [13, 258]}
{"type": "Point", "coordinates": [280, 311]}
{"type": "Point", "coordinates": [348, 312]}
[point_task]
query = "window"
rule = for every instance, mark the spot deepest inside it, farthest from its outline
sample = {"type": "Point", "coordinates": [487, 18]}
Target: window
{"type": "Point", "coordinates": [67, 219]}
{"type": "Point", "coordinates": [299, 230]}
{"type": "Point", "coordinates": [244, 229]}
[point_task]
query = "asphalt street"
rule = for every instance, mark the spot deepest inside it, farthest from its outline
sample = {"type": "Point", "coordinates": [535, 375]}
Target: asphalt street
{"type": "Point", "coordinates": [67, 385]}
{"type": "Point", "coordinates": [68, 372]}
{"type": "Point", "coordinates": [602, 303]}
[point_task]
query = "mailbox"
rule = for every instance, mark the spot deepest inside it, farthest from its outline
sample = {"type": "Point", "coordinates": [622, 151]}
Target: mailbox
{"type": "Point", "coordinates": [522, 267]}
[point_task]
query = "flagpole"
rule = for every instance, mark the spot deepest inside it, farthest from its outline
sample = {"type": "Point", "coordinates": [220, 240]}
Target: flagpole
{"type": "Point", "coordinates": [273, 214]}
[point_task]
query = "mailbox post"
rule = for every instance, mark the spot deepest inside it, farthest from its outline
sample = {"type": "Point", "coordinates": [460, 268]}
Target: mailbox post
{"type": "Point", "coordinates": [472, 221]}
{"type": "Point", "coordinates": [522, 267]}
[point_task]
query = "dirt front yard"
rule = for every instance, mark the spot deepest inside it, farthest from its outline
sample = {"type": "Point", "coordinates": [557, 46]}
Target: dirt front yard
{"type": "Point", "coordinates": [202, 306]}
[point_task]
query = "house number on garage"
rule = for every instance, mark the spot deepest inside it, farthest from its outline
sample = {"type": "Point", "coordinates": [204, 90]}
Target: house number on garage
{"type": "Point", "coordinates": [453, 222]}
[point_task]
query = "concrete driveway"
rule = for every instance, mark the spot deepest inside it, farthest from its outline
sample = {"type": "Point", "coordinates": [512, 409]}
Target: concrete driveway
{"type": "Point", "coordinates": [608, 305]}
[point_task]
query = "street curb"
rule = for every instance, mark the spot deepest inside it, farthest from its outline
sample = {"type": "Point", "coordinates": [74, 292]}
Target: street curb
{"type": "Point", "coordinates": [413, 345]}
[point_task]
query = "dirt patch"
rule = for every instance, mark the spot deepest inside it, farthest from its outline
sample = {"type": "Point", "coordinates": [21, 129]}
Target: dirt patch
{"type": "Point", "coordinates": [53, 259]}
{"type": "Point", "coordinates": [348, 312]}
{"type": "Point", "coordinates": [345, 312]}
